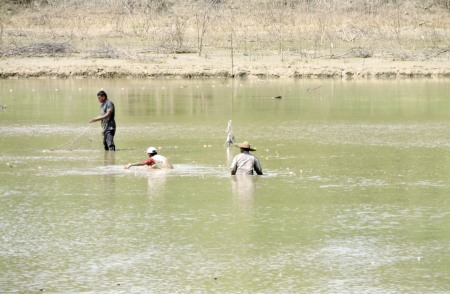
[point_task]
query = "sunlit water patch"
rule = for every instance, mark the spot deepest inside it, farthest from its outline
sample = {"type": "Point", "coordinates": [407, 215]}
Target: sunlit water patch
{"type": "Point", "coordinates": [406, 135]}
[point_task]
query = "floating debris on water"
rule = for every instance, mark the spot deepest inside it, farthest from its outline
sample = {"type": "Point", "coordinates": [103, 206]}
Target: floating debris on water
{"type": "Point", "coordinates": [312, 89]}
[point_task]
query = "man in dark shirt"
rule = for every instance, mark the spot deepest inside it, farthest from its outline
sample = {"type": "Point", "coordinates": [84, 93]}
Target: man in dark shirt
{"type": "Point", "coordinates": [107, 114]}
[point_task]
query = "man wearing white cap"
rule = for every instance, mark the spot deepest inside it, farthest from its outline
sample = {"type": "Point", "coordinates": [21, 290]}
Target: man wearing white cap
{"type": "Point", "coordinates": [154, 161]}
{"type": "Point", "coordinates": [244, 163]}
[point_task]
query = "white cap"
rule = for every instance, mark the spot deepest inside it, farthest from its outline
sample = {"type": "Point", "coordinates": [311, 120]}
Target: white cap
{"type": "Point", "coordinates": [151, 150]}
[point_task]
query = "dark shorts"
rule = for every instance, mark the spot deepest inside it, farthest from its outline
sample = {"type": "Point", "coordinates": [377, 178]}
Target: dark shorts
{"type": "Point", "coordinates": [108, 140]}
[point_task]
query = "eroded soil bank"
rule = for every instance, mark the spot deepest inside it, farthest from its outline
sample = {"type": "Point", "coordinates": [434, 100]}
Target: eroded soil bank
{"type": "Point", "coordinates": [220, 66]}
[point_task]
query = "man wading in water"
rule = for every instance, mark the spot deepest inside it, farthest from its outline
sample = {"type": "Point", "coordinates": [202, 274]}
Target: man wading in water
{"type": "Point", "coordinates": [245, 163]}
{"type": "Point", "coordinates": [107, 114]}
{"type": "Point", "coordinates": [154, 161]}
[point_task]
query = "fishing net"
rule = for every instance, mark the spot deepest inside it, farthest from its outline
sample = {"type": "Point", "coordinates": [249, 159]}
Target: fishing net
{"type": "Point", "coordinates": [83, 140]}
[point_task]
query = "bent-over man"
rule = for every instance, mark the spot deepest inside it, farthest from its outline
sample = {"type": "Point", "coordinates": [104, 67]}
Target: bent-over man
{"type": "Point", "coordinates": [154, 161]}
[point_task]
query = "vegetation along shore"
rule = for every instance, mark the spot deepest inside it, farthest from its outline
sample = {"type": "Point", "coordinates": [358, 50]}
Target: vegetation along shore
{"type": "Point", "coordinates": [225, 38]}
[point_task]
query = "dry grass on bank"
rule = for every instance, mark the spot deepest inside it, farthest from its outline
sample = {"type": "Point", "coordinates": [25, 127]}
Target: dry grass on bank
{"type": "Point", "coordinates": [304, 29]}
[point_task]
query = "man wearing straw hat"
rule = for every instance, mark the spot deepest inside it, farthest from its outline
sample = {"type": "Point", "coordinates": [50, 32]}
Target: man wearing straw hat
{"type": "Point", "coordinates": [244, 163]}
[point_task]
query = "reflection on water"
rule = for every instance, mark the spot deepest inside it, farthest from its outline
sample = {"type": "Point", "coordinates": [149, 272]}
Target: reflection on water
{"type": "Point", "coordinates": [157, 183]}
{"type": "Point", "coordinates": [243, 188]}
{"type": "Point", "coordinates": [230, 155]}
{"type": "Point", "coordinates": [110, 158]}
{"type": "Point", "coordinates": [354, 199]}
{"type": "Point", "coordinates": [108, 180]}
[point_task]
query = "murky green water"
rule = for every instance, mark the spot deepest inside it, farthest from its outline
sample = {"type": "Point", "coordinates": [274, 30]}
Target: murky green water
{"type": "Point", "coordinates": [355, 196]}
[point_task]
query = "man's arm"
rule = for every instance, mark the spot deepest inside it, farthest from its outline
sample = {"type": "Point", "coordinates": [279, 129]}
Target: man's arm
{"type": "Point", "coordinates": [134, 164]}
{"type": "Point", "coordinates": [234, 166]}
{"type": "Point", "coordinates": [145, 162]}
{"type": "Point", "coordinates": [257, 167]}
{"type": "Point", "coordinates": [100, 117]}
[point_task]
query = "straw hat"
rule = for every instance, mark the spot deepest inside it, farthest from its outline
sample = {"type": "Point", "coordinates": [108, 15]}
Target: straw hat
{"type": "Point", "coordinates": [245, 145]}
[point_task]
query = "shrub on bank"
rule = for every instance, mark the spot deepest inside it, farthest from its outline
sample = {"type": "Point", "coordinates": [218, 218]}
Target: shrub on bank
{"type": "Point", "coordinates": [302, 28]}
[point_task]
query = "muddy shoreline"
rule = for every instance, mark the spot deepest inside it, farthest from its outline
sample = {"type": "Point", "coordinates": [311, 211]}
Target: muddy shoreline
{"type": "Point", "coordinates": [196, 67]}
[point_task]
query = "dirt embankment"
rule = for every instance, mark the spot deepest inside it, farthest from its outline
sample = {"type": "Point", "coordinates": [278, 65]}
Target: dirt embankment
{"type": "Point", "coordinates": [219, 66]}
